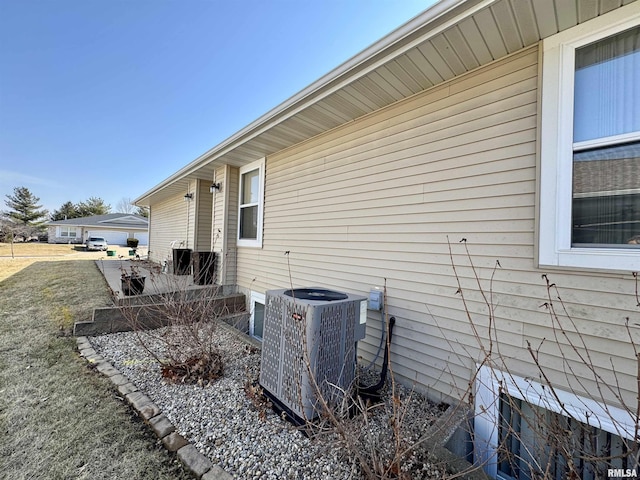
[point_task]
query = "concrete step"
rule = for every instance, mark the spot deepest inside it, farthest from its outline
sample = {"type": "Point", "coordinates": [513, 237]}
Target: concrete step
{"type": "Point", "coordinates": [152, 311]}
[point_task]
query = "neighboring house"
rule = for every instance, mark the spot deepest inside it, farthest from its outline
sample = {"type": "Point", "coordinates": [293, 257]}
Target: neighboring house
{"type": "Point", "coordinates": [487, 120]}
{"type": "Point", "coordinates": [114, 227]}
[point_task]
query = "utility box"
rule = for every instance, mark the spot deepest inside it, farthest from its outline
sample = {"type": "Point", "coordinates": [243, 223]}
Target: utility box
{"type": "Point", "coordinates": [376, 299]}
{"type": "Point", "coordinates": [309, 337]}
{"type": "Point", "coordinates": [204, 272]}
{"type": "Point", "coordinates": [181, 261]}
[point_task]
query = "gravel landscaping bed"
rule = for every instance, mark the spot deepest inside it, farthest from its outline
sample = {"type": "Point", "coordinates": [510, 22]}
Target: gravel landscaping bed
{"type": "Point", "coordinates": [253, 442]}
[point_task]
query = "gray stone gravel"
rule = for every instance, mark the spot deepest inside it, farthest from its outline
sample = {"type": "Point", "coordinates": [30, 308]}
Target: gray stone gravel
{"type": "Point", "coordinates": [253, 443]}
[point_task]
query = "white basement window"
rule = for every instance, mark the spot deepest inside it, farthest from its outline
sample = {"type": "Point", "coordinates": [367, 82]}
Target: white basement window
{"type": "Point", "coordinates": [523, 431]}
{"type": "Point", "coordinates": [251, 203]}
{"type": "Point", "coordinates": [256, 322]}
{"type": "Point", "coordinates": [590, 144]}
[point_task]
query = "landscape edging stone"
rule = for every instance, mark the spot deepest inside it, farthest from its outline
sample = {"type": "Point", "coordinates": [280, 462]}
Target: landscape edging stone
{"type": "Point", "coordinates": [196, 463]}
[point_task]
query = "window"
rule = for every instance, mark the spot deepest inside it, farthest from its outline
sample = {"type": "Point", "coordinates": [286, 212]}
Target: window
{"type": "Point", "coordinates": [537, 443]}
{"type": "Point", "coordinates": [67, 232]}
{"type": "Point", "coordinates": [251, 205]}
{"type": "Point", "coordinates": [521, 429]}
{"type": "Point", "coordinates": [590, 145]}
{"type": "Point", "coordinates": [256, 322]}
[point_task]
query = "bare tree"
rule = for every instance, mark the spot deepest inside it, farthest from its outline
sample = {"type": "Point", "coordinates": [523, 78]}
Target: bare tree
{"type": "Point", "coordinates": [125, 205]}
{"type": "Point", "coordinates": [11, 230]}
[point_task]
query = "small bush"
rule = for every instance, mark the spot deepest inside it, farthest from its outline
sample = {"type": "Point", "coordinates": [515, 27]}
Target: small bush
{"type": "Point", "coordinates": [132, 242]}
{"type": "Point", "coordinates": [187, 347]}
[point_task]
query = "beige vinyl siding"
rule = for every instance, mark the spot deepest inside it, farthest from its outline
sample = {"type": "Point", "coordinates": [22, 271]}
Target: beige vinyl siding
{"type": "Point", "coordinates": [231, 233]}
{"type": "Point", "coordinates": [224, 224]}
{"type": "Point", "coordinates": [190, 207]}
{"type": "Point", "coordinates": [204, 205]}
{"type": "Point", "coordinates": [218, 222]}
{"type": "Point", "coordinates": [218, 208]}
{"type": "Point", "coordinates": [380, 198]}
{"type": "Point", "coordinates": [167, 226]}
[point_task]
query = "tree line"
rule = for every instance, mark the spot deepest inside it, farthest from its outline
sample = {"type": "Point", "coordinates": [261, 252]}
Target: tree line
{"type": "Point", "coordinates": [25, 216]}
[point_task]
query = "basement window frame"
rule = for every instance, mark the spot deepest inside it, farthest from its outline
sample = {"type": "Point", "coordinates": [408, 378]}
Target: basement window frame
{"type": "Point", "coordinates": [490, 383]}
{"type": "Point", "coordinates": [256, 299]}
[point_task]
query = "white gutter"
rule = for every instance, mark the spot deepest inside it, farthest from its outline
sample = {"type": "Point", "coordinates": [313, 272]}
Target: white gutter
{"type": "Point", "coordinates": [340, 76]}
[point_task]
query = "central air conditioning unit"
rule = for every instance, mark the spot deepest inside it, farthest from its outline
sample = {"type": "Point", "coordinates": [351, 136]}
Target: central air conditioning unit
{"type": "Point", "coordinates": [310, 333]}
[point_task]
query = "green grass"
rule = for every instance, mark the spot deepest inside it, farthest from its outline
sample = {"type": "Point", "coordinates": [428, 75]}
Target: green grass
{"type": "Point", "coordinates": [59, 419]}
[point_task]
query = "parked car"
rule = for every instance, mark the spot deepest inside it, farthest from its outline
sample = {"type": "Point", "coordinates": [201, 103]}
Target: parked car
{"type": "Point", "coordinates": [96, 243]}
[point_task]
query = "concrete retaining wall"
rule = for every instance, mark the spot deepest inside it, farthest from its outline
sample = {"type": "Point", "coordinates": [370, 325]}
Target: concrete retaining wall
{"type": "Point", "coordinates": [230, 308]}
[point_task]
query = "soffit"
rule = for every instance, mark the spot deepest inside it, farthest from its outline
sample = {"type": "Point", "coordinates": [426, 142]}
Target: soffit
{"type": "Point", "coordinates": [470, 35]}
{"type": "Point", "coordinates": [494, 31]}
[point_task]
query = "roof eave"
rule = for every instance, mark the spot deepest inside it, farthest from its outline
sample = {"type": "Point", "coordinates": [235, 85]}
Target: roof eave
{"type": "Point", "coordinates": [335, 79]}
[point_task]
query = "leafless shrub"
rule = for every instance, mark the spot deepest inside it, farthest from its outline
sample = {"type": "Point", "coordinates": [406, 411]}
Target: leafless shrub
{"type": "Point", "coordinates": [570, 430]}
{"type": "Point", "coordinates": [555, 438]}
{"type": "Point", "coordinates": [256, 396]}
{"type": "Point", "coordinates": [178, 327]}
{"type": "Point", "coordinates": [382, 437]}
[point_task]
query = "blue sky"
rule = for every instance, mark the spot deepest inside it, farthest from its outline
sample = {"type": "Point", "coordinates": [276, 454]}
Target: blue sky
{"type": "Point", "coordinates": [107, 98]}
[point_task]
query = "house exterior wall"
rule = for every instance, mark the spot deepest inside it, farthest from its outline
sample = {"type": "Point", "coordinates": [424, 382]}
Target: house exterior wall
{"type": "Point", "coordinates": [204, 206]}
{"type": "Point", "coordinates": [191, 207]}
{"type": "Point", "coordinates": [226, 224]}
{"type": "Point", "coordinates": [381, 197]}
{"type": "Point", "coordinates": [54, 237]}
{"type": "Point", "coordinates": [168, 227]}
{"type": "Point", "coordinates": [218, 222]}
{"type": "Point", "coordinates": [83, 232]}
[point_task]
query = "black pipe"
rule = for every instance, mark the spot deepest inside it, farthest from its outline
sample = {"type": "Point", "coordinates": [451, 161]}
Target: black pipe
{"type": "Point", "coordinates": [372, 392]}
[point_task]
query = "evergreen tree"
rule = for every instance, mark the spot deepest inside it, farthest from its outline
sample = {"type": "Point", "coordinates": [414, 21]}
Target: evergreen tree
{"type": "Point", "coordinates": [93, 206]}
{"type": "Point", "coordinates": [24, 208]}
{"type": "Point", "coordinates": [66, 211]}
{"type": "Point", "coordinates": [143, 212]}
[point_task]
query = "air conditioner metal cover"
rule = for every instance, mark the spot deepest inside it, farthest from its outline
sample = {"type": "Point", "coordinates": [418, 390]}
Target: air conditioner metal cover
{"type": "Point", "coordinates": [317, 294]}
{"type": "Point", "coordinates": [321, 330]}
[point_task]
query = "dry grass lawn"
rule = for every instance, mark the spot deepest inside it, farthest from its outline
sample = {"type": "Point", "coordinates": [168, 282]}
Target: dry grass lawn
{"type": "Point", "coordinates": [35, 249]}
{"type": "Point", "coordinates": [25, 254]}
{"type": "Point", "coordinates": [58, 418]}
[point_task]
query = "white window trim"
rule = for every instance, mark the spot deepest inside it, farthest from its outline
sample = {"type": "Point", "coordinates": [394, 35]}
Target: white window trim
{"type": "Point", "coordinates": [491, 382]}
{"type": "Point", "coordinates": [556, 149]}
{"type": "Point", "coordinates": [245, 242]}
{"type": "Point", "coordinates": [255, 298]}
{"type": "Point", "coordinates": [67, 230]}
